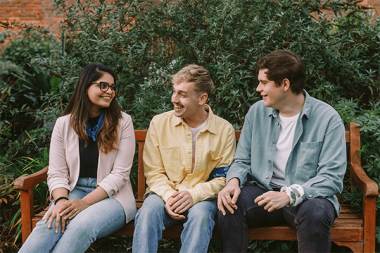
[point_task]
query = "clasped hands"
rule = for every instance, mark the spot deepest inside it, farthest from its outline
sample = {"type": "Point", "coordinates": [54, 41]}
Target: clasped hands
{"type": "Point", "coordinates": [64, 211]}
{"type": "Point", "coordinates": [178, 203]}
{"type": "Point", "coordinates": [271, 200]}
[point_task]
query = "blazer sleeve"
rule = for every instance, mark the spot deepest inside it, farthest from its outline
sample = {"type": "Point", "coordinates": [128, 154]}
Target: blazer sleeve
{"type": "Point", "coordinates": [121, 169]}
{"type": "Point", "coordinates": [58, 173]}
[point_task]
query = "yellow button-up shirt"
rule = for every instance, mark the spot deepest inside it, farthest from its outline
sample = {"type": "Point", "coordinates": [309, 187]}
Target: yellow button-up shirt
{"type": "Point", "coordinates": [168, 156]}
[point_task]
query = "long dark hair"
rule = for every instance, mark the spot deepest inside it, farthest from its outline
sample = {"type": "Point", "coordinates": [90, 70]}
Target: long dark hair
{"type": "Point", "coordinates": [79, 108]}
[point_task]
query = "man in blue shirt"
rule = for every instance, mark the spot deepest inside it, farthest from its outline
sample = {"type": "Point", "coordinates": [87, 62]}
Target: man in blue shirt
{"type": "Point", "coordinates": [289, 164]}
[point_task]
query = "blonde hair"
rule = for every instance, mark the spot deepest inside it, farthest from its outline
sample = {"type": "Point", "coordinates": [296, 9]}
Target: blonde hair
{"type": "Point", "coordinates": [197, 75]}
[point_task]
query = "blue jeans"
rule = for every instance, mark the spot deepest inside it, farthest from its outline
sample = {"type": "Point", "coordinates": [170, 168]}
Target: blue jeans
{"type": "Point", "coordinates": [94, 222]}
{"type": "Point", "coordinates": [312, 219]}
{"type": "Point", "coordinates": [152, 219]}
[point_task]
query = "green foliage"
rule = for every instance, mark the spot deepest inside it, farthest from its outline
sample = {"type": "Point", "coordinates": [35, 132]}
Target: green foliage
{"type": "Point", "coordinates": [4, 35]}
{"type": "Point", "coordinates": [10, 170]}
{"type": "Point", "coordinates": [28, 44]}
{"type": "Point", "coordinates": [146, 43]}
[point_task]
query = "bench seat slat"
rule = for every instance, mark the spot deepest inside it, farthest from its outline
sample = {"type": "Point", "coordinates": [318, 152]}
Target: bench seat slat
{"type": "Point", "coordinates": [339, 233]}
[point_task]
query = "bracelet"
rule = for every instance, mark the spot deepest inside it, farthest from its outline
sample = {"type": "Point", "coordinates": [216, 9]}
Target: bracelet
{"type": "Point", "coordinates": [58, 199]}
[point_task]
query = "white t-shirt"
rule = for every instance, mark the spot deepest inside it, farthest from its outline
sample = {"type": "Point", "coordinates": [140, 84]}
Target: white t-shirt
{"type": "Point", "coordinates": [195, 132]}
{"type": "Point", "coordinates": [283, 148]}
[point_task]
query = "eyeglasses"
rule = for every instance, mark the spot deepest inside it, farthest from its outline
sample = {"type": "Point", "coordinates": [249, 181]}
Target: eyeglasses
{"type": "Point", "coordinates": [104, 86]}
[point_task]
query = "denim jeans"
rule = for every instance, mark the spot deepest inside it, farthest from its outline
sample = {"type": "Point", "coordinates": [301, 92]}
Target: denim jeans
{"type": "Point", "coordinates": [94, 222]}
{"type": "Point", "coordinates": [312, 219]}
{"type": "Point", "coordinates": [152, 219]}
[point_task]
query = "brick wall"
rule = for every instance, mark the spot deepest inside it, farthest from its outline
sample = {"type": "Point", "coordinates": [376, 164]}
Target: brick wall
{"type": "Point", "coordinates": [41, 12]}
{"type": "Point", "coordinates": [370, 3]}
{"type": "Point", "coordinates": [30, 11]}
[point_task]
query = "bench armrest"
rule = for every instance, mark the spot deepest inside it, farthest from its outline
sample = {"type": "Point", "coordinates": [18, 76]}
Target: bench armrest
{"type": "Point", "coordinates": [369, 187]}
{"type": "Point", "coordinates": [28, 182]}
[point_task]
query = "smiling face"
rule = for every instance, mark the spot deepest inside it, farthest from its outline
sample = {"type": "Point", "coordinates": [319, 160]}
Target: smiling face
{"type": "Point", "coordinates": [187, 102]}
{"type": "Point", "coordinates": [100, 99]}
{"type": "Point", "coordinates": [273, 95]}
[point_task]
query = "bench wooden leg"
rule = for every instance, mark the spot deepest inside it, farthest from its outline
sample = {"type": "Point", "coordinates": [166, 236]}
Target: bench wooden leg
{"type": "Point", "coordinates": [27, 212]}
{"type": "Point", "coordinates": [369, 212]}
{"type": "Point", "coordinates": [356, 247]}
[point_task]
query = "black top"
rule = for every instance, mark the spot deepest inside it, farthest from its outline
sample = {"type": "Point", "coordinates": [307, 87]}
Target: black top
{"type": "Point", "coordinates": [89, 156]}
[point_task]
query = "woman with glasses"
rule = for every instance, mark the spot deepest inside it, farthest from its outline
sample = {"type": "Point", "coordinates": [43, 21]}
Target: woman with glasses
{"type": "Point", "coordinates": [91, 153]}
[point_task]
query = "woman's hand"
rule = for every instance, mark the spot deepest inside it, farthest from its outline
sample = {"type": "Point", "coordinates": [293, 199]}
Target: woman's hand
{"type": "Point", "coordinates": [54, 213]}
{"type": "Point", "coordinates": [71, 208]}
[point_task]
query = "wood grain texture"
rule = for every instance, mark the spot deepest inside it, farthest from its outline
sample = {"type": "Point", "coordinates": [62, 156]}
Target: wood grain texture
{"type": "Point", "coordinates": [140, 135]}
{"type": "Point", "coordinates": [369, 213]}
{"type": "Point", "coordinates": [27, 210]}
{"type": "Point", "coordinates": [369, 187]}
{"type": "Point", "coordinates": [140, 172]}
{"type": "Point", "coordinates": [28, 182]}
{"type": "Point", "coordinates": [356, 247]}
{"type": "Point", "coordinates": [237, 134]}
{"type": "Point", "coordinates": [354, 143]}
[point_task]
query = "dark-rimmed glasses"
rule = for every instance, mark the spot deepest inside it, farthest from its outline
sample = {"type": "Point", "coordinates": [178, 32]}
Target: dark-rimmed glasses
{"type": "Point", "coordinates": [104, 86]}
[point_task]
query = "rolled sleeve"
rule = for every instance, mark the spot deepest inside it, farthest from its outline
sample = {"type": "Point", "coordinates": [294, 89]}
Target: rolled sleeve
{"type": "Point", "coordinates": [208, 190]}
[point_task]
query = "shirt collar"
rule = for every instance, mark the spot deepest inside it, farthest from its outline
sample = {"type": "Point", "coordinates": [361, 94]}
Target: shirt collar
{"type": "Point", "coordinates": [210, 126]}
{"type": "Point", "coordinates": [305, 110]}
{"type": "Point", "coordinates": [307, 105]}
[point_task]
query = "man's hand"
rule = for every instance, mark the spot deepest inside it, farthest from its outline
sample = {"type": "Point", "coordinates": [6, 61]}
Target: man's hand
{"type": "Point", "coordinates": [224, 196]}
{"type": "Point", "coordinates": [168, 209]}
{"type": "Point", "coordinates": [273, 200]}
{"type": "Point", "coordinates": [182, 202]}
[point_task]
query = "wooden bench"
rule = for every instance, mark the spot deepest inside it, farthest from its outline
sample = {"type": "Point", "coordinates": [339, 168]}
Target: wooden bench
{"type": "Point", "coordinates": [353, 230]}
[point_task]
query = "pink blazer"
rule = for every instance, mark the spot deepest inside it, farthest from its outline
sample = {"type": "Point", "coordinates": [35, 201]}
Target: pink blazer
{"type": "Point", "coordinates": [113, 168]}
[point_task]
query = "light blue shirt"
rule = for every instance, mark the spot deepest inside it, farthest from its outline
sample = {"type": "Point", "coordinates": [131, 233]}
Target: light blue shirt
{"type": "Point", "coordinates": [317, 160]}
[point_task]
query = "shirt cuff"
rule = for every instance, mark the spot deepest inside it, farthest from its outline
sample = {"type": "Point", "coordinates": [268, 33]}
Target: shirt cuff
{"type": "Point", "coordinates": [295, 193]}
{"type": "Point", "coordinates": [107, 188]}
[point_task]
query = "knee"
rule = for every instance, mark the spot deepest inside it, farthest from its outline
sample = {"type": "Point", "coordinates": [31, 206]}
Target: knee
{"type": "Point", "coordinates": [201, 216]}
{"type": "Point", "coordinates": [151, 210]}
{"type": "Point", "coordinates": [318, 213]}
{"type": "Point", "coordinates": [225, 218]}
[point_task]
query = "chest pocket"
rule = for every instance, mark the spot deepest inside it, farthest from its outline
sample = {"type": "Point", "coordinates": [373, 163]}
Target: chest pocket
{"type": "Point", "coordinates": [172, 163]}
{"type": "Point", "coordinates": [307, 159]}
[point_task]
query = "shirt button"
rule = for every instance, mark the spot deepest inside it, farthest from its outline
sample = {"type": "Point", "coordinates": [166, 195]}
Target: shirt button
{"type": "Point", "coordinates": [188, 134]}
{"type": "Point", "coordinates": [266, 177]}
{"type": "Point", "coordinates": [277, 123]}
{"type": "Point", "coordinates": [189, 152]}
{"type": "Point", "coordinates": [273, 142]}
{"type": "Point", "coordinates": [268, 161]}
{"type": "Point", "coordinates": [310, 196]}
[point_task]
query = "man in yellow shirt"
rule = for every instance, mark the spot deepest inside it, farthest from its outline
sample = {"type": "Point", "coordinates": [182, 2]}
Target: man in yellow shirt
{"type": "Point", "coordinates": [186, 156]}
